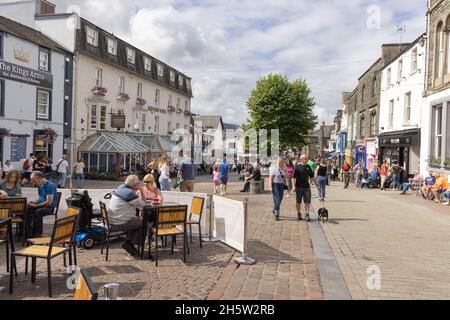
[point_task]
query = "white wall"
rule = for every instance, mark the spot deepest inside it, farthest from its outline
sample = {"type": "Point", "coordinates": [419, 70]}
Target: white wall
{"type": "Point", "coordinates": [22, 12]}
{"type": "Point", "coordinates": [20, 98]}
{"type": "Point", "coordinates": [61, 29]}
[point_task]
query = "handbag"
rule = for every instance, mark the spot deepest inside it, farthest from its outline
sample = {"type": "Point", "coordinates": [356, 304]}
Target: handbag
{"type": "Point", "coordinates": [285, 183]}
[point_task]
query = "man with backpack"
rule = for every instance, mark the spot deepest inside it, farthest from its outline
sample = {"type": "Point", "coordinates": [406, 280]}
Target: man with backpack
{"type": "Point", "coordinates": [28, 168]}
{"type": "Point", "coordinates": [62, 168]}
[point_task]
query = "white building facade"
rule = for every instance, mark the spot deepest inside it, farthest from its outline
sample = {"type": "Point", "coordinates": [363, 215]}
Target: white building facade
{"type": "Point", "coordinates": [401, 105]}
{"type": "Point", "coordinates": [35, 94]}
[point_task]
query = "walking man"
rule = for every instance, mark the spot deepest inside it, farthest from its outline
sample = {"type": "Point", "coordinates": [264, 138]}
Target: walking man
{"type": "Point", "coordinates": [223, 177]}
{"type": "Point", "coordinates": [62, 169]}
{"type": "Point", "coordinates": [187, 174]}
{"type": "Point", "coordinates": [302, 187]}
{"type": "Point", "coordinates": [346, 173]}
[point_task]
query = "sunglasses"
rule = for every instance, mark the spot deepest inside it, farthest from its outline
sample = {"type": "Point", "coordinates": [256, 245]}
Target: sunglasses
{"type": "Point", "coordinates": [147, 181]}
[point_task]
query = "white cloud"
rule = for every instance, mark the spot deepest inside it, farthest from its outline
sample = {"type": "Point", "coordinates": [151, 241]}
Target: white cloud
{"type": "Point", "coordinates": [225, 46]}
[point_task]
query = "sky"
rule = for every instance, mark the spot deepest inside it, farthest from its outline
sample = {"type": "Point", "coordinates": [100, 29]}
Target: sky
{"type": "Point", "coordinates": [225, 46]}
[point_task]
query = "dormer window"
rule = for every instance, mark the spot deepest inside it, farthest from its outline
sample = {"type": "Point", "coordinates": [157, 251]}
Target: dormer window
{"type": "Point", "coordinates": [112, 46]}
{"type": "Point", "coordinates": [92, 36]}
{"type": "Point", "coordinates": [180, 81]}
{"type": "Point", "coordinates": [131, 56]}
{"type": "Point", "coordinates": [147, 64]}
{"type": "Point", "coordinates": [160, 70]}
{"type": "Point", "coordinates": [172, 76]}
{"type": "Point", "coordinates": [188, 84]}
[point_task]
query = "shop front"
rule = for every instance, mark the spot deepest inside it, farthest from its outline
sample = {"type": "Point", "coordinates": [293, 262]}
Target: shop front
{"type": "Point", "coordinates": [403, 147]}
{"type": "Point", "coordinates": [372, 154]}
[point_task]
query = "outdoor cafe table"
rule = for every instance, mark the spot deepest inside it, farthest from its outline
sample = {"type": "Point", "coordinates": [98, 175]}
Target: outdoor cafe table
{"type": "Point", "coordinates": [149, 219]}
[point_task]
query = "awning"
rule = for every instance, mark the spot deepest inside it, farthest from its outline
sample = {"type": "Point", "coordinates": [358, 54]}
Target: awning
{"type": "Point", "coordinates": [108, 142]}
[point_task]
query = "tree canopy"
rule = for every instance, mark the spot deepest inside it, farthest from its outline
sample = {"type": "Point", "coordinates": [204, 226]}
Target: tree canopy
{"type": "Point", "coordinates": [276, 103]}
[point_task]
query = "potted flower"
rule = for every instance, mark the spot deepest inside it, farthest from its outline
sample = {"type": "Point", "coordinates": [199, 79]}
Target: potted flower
{"type": "Point", "coordinates": [100, 91]}
{"type": "Point", "coordinates": [4, 133]}
{"type": "Point", "coordinates": [187, 113]}
{"type": "Point", "coordinates": [446, 163]}
{"type": "Point", "coordinates": [179, 110]}
{"type": "Point", "coordinates": [49, 136]}
{"type": "Point", "coordinates": [435, 162]}
{"type": "Point", "coordinates": [141, 101]}
{"type": "Point", "coordinates": [171, 109]}
{"type": "Point", "coordinates": [123, 97]}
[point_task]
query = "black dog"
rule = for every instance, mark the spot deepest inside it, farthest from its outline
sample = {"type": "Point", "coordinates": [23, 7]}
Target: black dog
{"type": "Point", "coordinates": [323, 214]}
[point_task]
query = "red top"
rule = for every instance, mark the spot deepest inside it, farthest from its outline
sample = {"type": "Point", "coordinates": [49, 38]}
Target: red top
{"type": "Point", "coordinates": [384, 170]}
{"type": "Point", "coordinates": [346, 168]}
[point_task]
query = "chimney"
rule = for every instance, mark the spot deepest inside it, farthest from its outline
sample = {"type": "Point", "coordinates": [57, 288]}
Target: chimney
{"type": "Point", "coordinates": [44, 7]}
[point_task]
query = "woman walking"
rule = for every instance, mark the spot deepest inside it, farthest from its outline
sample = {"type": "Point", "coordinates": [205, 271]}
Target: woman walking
{"type": "Point", "coordinates": [164, 179]}
{"type": "Point", "coordinates": [79, 172]}
{"type": "Point", "coordinates": [216, 174]}
{"type": "Point", "coordinates": [321, 178]}
{"type": "Point", "coordinates": [290, 168]}
{"type": "Point", "coordinates": [277, 180]}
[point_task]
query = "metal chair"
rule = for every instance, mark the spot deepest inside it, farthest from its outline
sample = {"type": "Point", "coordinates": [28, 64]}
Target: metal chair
{"type": "Point", "coordinates": [85, 290]}
{"type": "Point", "coordinates": [64, 231]}
{"type": "Point", "coordinates": [18, 208]}
{"type": "Point", "coordinates": [109, 233]}
{"type": "Point", "coordinates": [197, 211]}
{"type": "Point", "coordinates": [6, 236]}
{"type": "Point", "coordinates": [168, 223]}
{"type": "Point", "coordinates": [58, 201]}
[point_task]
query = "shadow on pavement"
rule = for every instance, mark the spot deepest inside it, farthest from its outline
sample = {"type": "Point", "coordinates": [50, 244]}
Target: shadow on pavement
{"type": "Point", "coordinates": [264, 253]}
{"type": "Point", "coordinates": [337, 221]}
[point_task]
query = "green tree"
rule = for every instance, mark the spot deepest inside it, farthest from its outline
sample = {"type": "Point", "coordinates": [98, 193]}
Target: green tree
{"type": "Point", "coordinates": [276, 103]}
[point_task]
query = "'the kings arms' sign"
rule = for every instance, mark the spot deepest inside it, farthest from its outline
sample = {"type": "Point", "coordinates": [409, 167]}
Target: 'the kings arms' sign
{"type": "Point", "coordinates": [15, 72]}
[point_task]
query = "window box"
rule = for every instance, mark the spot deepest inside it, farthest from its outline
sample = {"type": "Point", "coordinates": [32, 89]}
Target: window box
{"type": "Point", "coordinates": [100, 91]}
{"type": "Point", "coordinates": [141, 101]}
{"type": "Point", "coordinates": [433, 162]}
{"type": "Point", "coordinates": [171, 109]}
{"type": "Point", "coordinates": [49, 136]}
{"type": "Point", "coordinates": [123, 97]}
{"type": "Point", "coordinates": [179, 110]}
{"type": "Point", "coordinates": [187, 113]}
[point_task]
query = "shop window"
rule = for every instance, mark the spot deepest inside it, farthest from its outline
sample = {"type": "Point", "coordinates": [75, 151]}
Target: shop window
{"type": "Point", "coordinates": [102, 163]}
{"type": "Point", "coordinates": [436, 132]}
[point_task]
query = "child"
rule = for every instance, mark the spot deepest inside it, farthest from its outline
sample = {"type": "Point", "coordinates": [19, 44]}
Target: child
{"type": "Point", "coordinates": [216, 174]}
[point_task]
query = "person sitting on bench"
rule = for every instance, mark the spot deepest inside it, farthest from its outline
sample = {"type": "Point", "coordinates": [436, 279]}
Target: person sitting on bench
{"type": "Point", "coordinates": [255, 176]}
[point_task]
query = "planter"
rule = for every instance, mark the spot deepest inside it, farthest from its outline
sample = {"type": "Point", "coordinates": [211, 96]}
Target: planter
{"type": "Point", "coordinates": [171, 109]}
{"type": "Point", "coordinates": [179, 110]}
{"type": "Point", "coordinates": [123, 97]}
{"type": "Point", "coordinates": [187, 113]}
{"type": "Point", "coordinates": [100, 91]}
{"type": "Point", "coordinates": [141, 102]}
{"type": "Point", "coordinates": [49, 136]}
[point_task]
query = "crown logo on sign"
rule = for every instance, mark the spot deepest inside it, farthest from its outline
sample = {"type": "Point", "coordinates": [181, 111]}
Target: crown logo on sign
{"type": "Point", "coordinates": [21, 55]}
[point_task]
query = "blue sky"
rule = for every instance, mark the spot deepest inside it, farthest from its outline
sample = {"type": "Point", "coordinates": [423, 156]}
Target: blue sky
{"type": "Point", "coordinates": [226, 45]}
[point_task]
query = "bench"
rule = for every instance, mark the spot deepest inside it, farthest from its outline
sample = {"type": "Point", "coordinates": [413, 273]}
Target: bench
{"type": "Point", "coordinates": [256, 187]}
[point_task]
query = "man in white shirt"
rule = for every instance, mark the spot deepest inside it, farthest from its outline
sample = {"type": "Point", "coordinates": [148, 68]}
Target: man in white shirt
{"type": "Point", "coordinates": [62, 169]}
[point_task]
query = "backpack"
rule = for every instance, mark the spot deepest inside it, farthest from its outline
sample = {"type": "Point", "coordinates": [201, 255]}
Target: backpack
{"type": "Point", "coordinates": [26, 165]}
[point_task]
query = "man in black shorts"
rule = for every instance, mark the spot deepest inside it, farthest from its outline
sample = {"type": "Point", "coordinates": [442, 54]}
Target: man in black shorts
{"type": "Point", "coordinates": [302, 187]}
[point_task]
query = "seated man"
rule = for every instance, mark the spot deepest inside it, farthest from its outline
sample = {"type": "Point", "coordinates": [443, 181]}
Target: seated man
{"type": "Point", "coordinates": [365, 179]}
{"type": "Point", "coordinates": [44, 205]}
{"type": "Point", "coordinates": [429, 182]}
{"type": "Point", "coordinates": [255, 175]}
{"type": "Point", "coordinates": [375, 178]}
{"type": "Point", "coordinates": [417, 179]}
{"type": "Point", "coordinates": [122, 212]}
{"type": "Point", "coordinates": [440, 186]}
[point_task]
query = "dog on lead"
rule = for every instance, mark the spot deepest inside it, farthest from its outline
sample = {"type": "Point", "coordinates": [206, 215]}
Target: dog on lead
{"type": "Point", "coordinates": [323, 214]}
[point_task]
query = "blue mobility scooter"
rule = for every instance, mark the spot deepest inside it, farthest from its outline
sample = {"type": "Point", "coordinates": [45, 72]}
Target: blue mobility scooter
{"type": "Point", "coordinates": [87, 234]}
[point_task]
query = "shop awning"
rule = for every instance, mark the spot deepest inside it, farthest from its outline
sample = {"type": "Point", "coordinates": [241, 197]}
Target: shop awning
{"type": "Point", "coordinates": [109, 142]}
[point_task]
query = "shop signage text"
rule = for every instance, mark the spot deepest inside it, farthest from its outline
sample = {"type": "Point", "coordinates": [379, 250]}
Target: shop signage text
{"type": "Point", "coordinates": [15, 72]}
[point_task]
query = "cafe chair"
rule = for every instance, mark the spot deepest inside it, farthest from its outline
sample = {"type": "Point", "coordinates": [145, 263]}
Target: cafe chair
{"type": "Point", "coordinates": [71, 211]}
{"type": "Point", "coordinates": [109, 233]}
{"type": "Point", "coordinates": [64, 231]}
{"type": "Point", "coordinates": [58, 201]}
{"type": "Point", "coordinates": [85, 290]}
{"type": "Point", "coordinates": [197, 212]}
{"type": "Point", "coordinates": [170, 222]}
{"type": "Point", "coordinates": [6, 236]}
{"type": "Point", "coordinates": [18, 207]}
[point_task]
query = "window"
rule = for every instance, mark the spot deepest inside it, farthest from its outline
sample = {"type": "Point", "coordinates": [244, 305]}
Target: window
{"type": "Point", "coordinates": [407, 108]}
{"type": "Point", "coordinates": [156, 125]}
{"type": "Point", "coordinates": [169, 127]}
{"type": "Point", "coordinates": [447, 145]}
{"type": "Point", "coordinates": [178, 103]}
{"type": "Point", "coordinates": [362, 124]}
{"type": "Point", "coordinates": [439, 54]}
{"type": "Point", "coordinates": [177, 126]}
{"type": "Point", "coordinates": [388, 81]}
{"type": "Point", "coordinates": [131, 56]}
{"type": "Point", "coordinates": [43, 105]}
{"type": "Point", "coordinates": [157, 96]}
{"type": "Point", "coordinates": [180, 81]}
{"type": "Point", "coordinates": [414, 60]}
{"type": "Point", "coordinates": [391, 114]}
{"type": "Point", "coordinates": [400, 71]}
{"type": "Point", "coordinates": [170, 100]}
{"type": "Point", "coordinates": [172, 76]}
{"type": "Point", "coordinates": [139, 90]}
{"type": "Point", "coordinates": [98, 117]}
{"type": "Point", "coordinates": [44, 59]}
{"type": "Point", "coordinates": [143, 122]}
{"type": "Point", "coordinates": [447, 49]}
{"type": "Point", "coordinates": [121, 85]}
{"type": "Point", "coordinates": [93, 117]}
{"type": "Point", "coordinates": [98, 77]}
{"type": "Point", "coordinates": [355, 124]}
{"type": "Point", "coordinates": [112, 46]}
{"type": "Point", "coordinates": [436, 132]}
{"type": "Point", "coordinates": [160, 70]}
{"type": "Point", "coordinates": [373, 122]}
{"type": "Point", "coordinates": [374, 85]}
{"type": "Point", "coordinates": [186, 105]}
{"type": "Point", "coordinates": [136, 122]}
{"type": "Point", "coordinates": [103, 116]}
{"type": "Point", "coordinates": [147, 64]}
{"type": "Point", "coordinates": [2, 97]}
{"type": "Point", "coordinates": [188, 84]}
{"type": "Point", "coordinates": [1, 45]}
{"type": "Point", "coordinates": [92, 36]}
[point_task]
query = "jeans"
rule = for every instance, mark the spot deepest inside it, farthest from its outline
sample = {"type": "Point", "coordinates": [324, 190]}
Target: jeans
{"type": "Point", "coordinates": [278, 193]}
{"type": "Point", "coordinates": [62, 179]}
{"type": "Point", "coordinates": [406, 186]}
{"type": "Point", "coordinates": [36, 216]}
{"type": "Point", "coordinates": [395, 181]}
{"type": "Point", "coordinates": [165, 185]}
{"type": "Point", "coordinates": [346, 180]}
{"type": "Point", "coordinates": [133, 228]}
{"type": "Point", "coordinates": [322, 184]}
{"type": "Point", "coordinates": [289, 184]}
{"type": "Point", "coordinates": [80, 180]}
{"type": "Point", "coordinates": [446, 195]}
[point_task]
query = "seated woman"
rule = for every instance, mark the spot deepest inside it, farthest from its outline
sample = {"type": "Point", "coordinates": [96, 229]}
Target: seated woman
{"type": "Point", "coordinates": [150, 191]}
{"type": "Point", "coordinates": [254, 176]}
{"type": "Point", "coordinates": [11, 185]}
{"type": "Point", "coordinates": [440, 187]}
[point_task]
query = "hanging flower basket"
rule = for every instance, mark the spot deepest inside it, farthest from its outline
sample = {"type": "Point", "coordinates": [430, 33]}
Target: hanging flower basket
{"type": "Point", "coordinates": [123, 97]}
{"type": "Point", "coordinates": [49, 136]}
{"type": "Point", "coordinates": [171, 109]}
{"type": "Point", "coordinates": [141, 101]}
{"type": "Point", "coordinates": [187, 113]}
{"type": "Point", "coordinates": [179, 110]}
{"type": "Point", "coordinates": [100, 91]}
{"type": "Point", "coordinates": [4, 133]}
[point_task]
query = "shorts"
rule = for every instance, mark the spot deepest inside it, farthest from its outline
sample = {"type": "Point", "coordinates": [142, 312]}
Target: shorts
{"type": "Point", "coordinates": [223, 180]}
{"type": "Point", "coordinates": [303, 194]}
